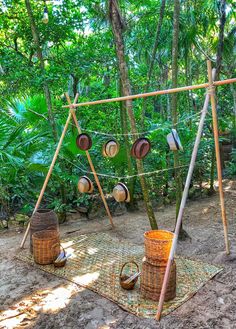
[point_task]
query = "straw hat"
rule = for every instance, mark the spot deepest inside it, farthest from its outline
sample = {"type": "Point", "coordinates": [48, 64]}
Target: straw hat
{"type": "Point", "coordinates": [174, 141]}
{"type": "Point", "coordinates": [140, 148]}
{"type": "Point", "coordinates": [121, 193]}
{"type": "Point", "coordinates": [85, 185]}
{"type": "Point", "coordinates": [110, 148]}
{"type": "Point", "coordinates": [84, 142]}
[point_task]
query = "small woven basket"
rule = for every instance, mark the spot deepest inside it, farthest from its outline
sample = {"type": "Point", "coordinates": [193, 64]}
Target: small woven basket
{"type": "Point", "coordinates": [46, 246]}
{"type": "Point", "coordinates": [152, 278]}
{"type": "Point", "coordinates": [124, 277]}
{"type": "Point", "coordinates": [157, 246]}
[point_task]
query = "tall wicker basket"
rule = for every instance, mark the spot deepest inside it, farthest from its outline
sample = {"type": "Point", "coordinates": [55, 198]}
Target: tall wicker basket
{"type": "Point", "coordinates": [46, 246]}
{"type": "Point", "coordinates": [41, 220]}
{"type": "Point", "coordinates": [152, 277]}
{"type": "Point", "coordinates": [157, 246]}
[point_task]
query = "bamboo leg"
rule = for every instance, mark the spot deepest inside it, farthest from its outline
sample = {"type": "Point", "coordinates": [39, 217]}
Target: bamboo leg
{"type": "Point", "coordinates": [48, 175]}
{"type": "Point", "coordinates": [91, 164]}
{"type": "Point", "coordinates": [218, 160]}
{"type": "Point", "coordinates": [182, 205]}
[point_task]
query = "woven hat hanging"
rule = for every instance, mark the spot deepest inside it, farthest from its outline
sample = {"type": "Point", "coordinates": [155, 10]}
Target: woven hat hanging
{"type": "Point", "coordinates": [110, 148]}
{"type": "Point", "coordinates": [85, 185]}
{"type": "Point", "coordinates": [174, 141]}
{"type": "Point", "coordinates": [140, 148]}
{"type": "Point", "coordinates": [84, 141]}
{"type": "Point", "coordinates": [121, 193]}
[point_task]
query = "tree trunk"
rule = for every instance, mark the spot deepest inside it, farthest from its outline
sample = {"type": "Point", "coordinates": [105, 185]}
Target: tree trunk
{"type": "Point", "coordinates": [212, 173]}
{"type": "Point", "coordinates": [47, 93]}
{"type": "Point", "coordinates": [117, 27]}
{"type": "Point", "coordinates": [220, 47]}
{"type": "Point", "coordinates": [178, 178]}
{"type": "Point", "coordinates": [188, 81]}
{"type": "Point", "coordinates": [124, 127]}
{"type": "Point", "coordinates": [152, 60]}
{"type": "Point", "coordinates": [36, 39]}
{"type": "Point", "coordinates": [234, 116]}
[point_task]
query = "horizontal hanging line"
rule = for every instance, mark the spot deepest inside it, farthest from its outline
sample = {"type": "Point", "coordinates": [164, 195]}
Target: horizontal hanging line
{"type": "Point", "coordinates": [121, 177]}
{"type": "Point", "coordinates": [140, 133]}
{"type": "Point", "coordinates": [153, 93]}
{"type": "Point", "coordinates": [138, 175]}
{"type": "Point", "coordinates": [82, 169]}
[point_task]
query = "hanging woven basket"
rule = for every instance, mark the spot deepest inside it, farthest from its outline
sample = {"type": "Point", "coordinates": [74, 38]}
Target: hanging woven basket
{"type": "Point", "coordinates": [46, 246]}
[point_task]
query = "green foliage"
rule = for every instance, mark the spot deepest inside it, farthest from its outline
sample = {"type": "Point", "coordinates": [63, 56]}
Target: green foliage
{"type": "Point", "coordinates": [79, 55]}
{"type": "Point", "coordinates": [231, 169]}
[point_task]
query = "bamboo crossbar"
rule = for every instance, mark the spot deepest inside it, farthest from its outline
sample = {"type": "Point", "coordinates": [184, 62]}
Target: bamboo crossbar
{"type": "Point", "coordinates": [153, 93]}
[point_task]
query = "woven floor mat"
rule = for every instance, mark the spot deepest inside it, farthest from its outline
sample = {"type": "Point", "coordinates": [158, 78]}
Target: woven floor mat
{"type": "Point", "coordinates": [95, 264]}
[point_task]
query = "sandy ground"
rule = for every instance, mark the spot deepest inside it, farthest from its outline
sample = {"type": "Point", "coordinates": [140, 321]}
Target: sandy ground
{"type": "Point", "coordinates": [45, 301]}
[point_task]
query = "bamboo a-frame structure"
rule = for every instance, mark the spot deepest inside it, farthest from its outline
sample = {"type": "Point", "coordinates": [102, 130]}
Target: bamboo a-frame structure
{"type": "Point", "coordinates": [72, 115]}
{"type": "Point", "coordinates": [210, 87]}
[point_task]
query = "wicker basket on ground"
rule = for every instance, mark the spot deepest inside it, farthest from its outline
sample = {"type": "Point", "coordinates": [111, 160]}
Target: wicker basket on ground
{"type": "Point", "coordinates": [46, 246]}
{"type": "Point", "coordinates": [41, 220]}
{"type": "Point", "coordinates": [157, 246]}
{"type": "Point", "coordinates": [152, 277]}
{"type": "Point", "coordinates": [124, 277]}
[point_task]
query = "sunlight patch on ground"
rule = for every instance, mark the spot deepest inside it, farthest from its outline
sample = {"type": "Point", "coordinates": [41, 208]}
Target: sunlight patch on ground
{"type": "Point", "coordinates": [68, 246]}
{"type": "Point", "coordinates": [26, 311]}
{"type": "Point", "coordinates": [205, 210]}
{"type": "Point", "coordinates": [57, 299]}
{"type": "Point", "coordinates": [92, 251]}
{"type": "Point", "coordinates": [71, 243]}
{"type": "Point", "coordinates": [87, 278]}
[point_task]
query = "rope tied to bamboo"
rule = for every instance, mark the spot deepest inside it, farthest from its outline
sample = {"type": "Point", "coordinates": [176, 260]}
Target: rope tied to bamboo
{"type": "Point", "coordinates": [211, 90]}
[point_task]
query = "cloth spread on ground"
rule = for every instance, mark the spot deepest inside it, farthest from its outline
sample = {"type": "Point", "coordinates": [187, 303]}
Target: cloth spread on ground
{"type": "Point", "coordinates": [95, 264]}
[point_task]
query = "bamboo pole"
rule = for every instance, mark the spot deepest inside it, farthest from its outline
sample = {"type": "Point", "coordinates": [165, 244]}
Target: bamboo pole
{"type": "Point", "coordinates": [48, 175]}
{"type": "Point", "coordinates": [154, 93]}
{"type": "Point", "coordinates": [218, 160]}
{"type": "Point", "coordinates": [90, 162]}
{"type": "Point", "coordinates": [182, 206]}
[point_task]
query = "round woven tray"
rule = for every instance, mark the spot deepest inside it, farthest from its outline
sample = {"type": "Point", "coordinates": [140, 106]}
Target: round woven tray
{"type": "Point", "coordinates": [46, 246]}
{"type": "Point", "coordinates": [152, 278]}
{"type": "Point", "coordinates": [157, 245]}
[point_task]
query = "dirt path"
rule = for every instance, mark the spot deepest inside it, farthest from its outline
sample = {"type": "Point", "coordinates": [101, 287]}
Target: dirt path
{"type": "Point", "coordinates": [44, 301]}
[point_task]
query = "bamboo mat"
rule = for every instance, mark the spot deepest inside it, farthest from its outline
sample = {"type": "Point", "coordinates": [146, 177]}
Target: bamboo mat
{"type": "Point", "coordinates": [95, 264]}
